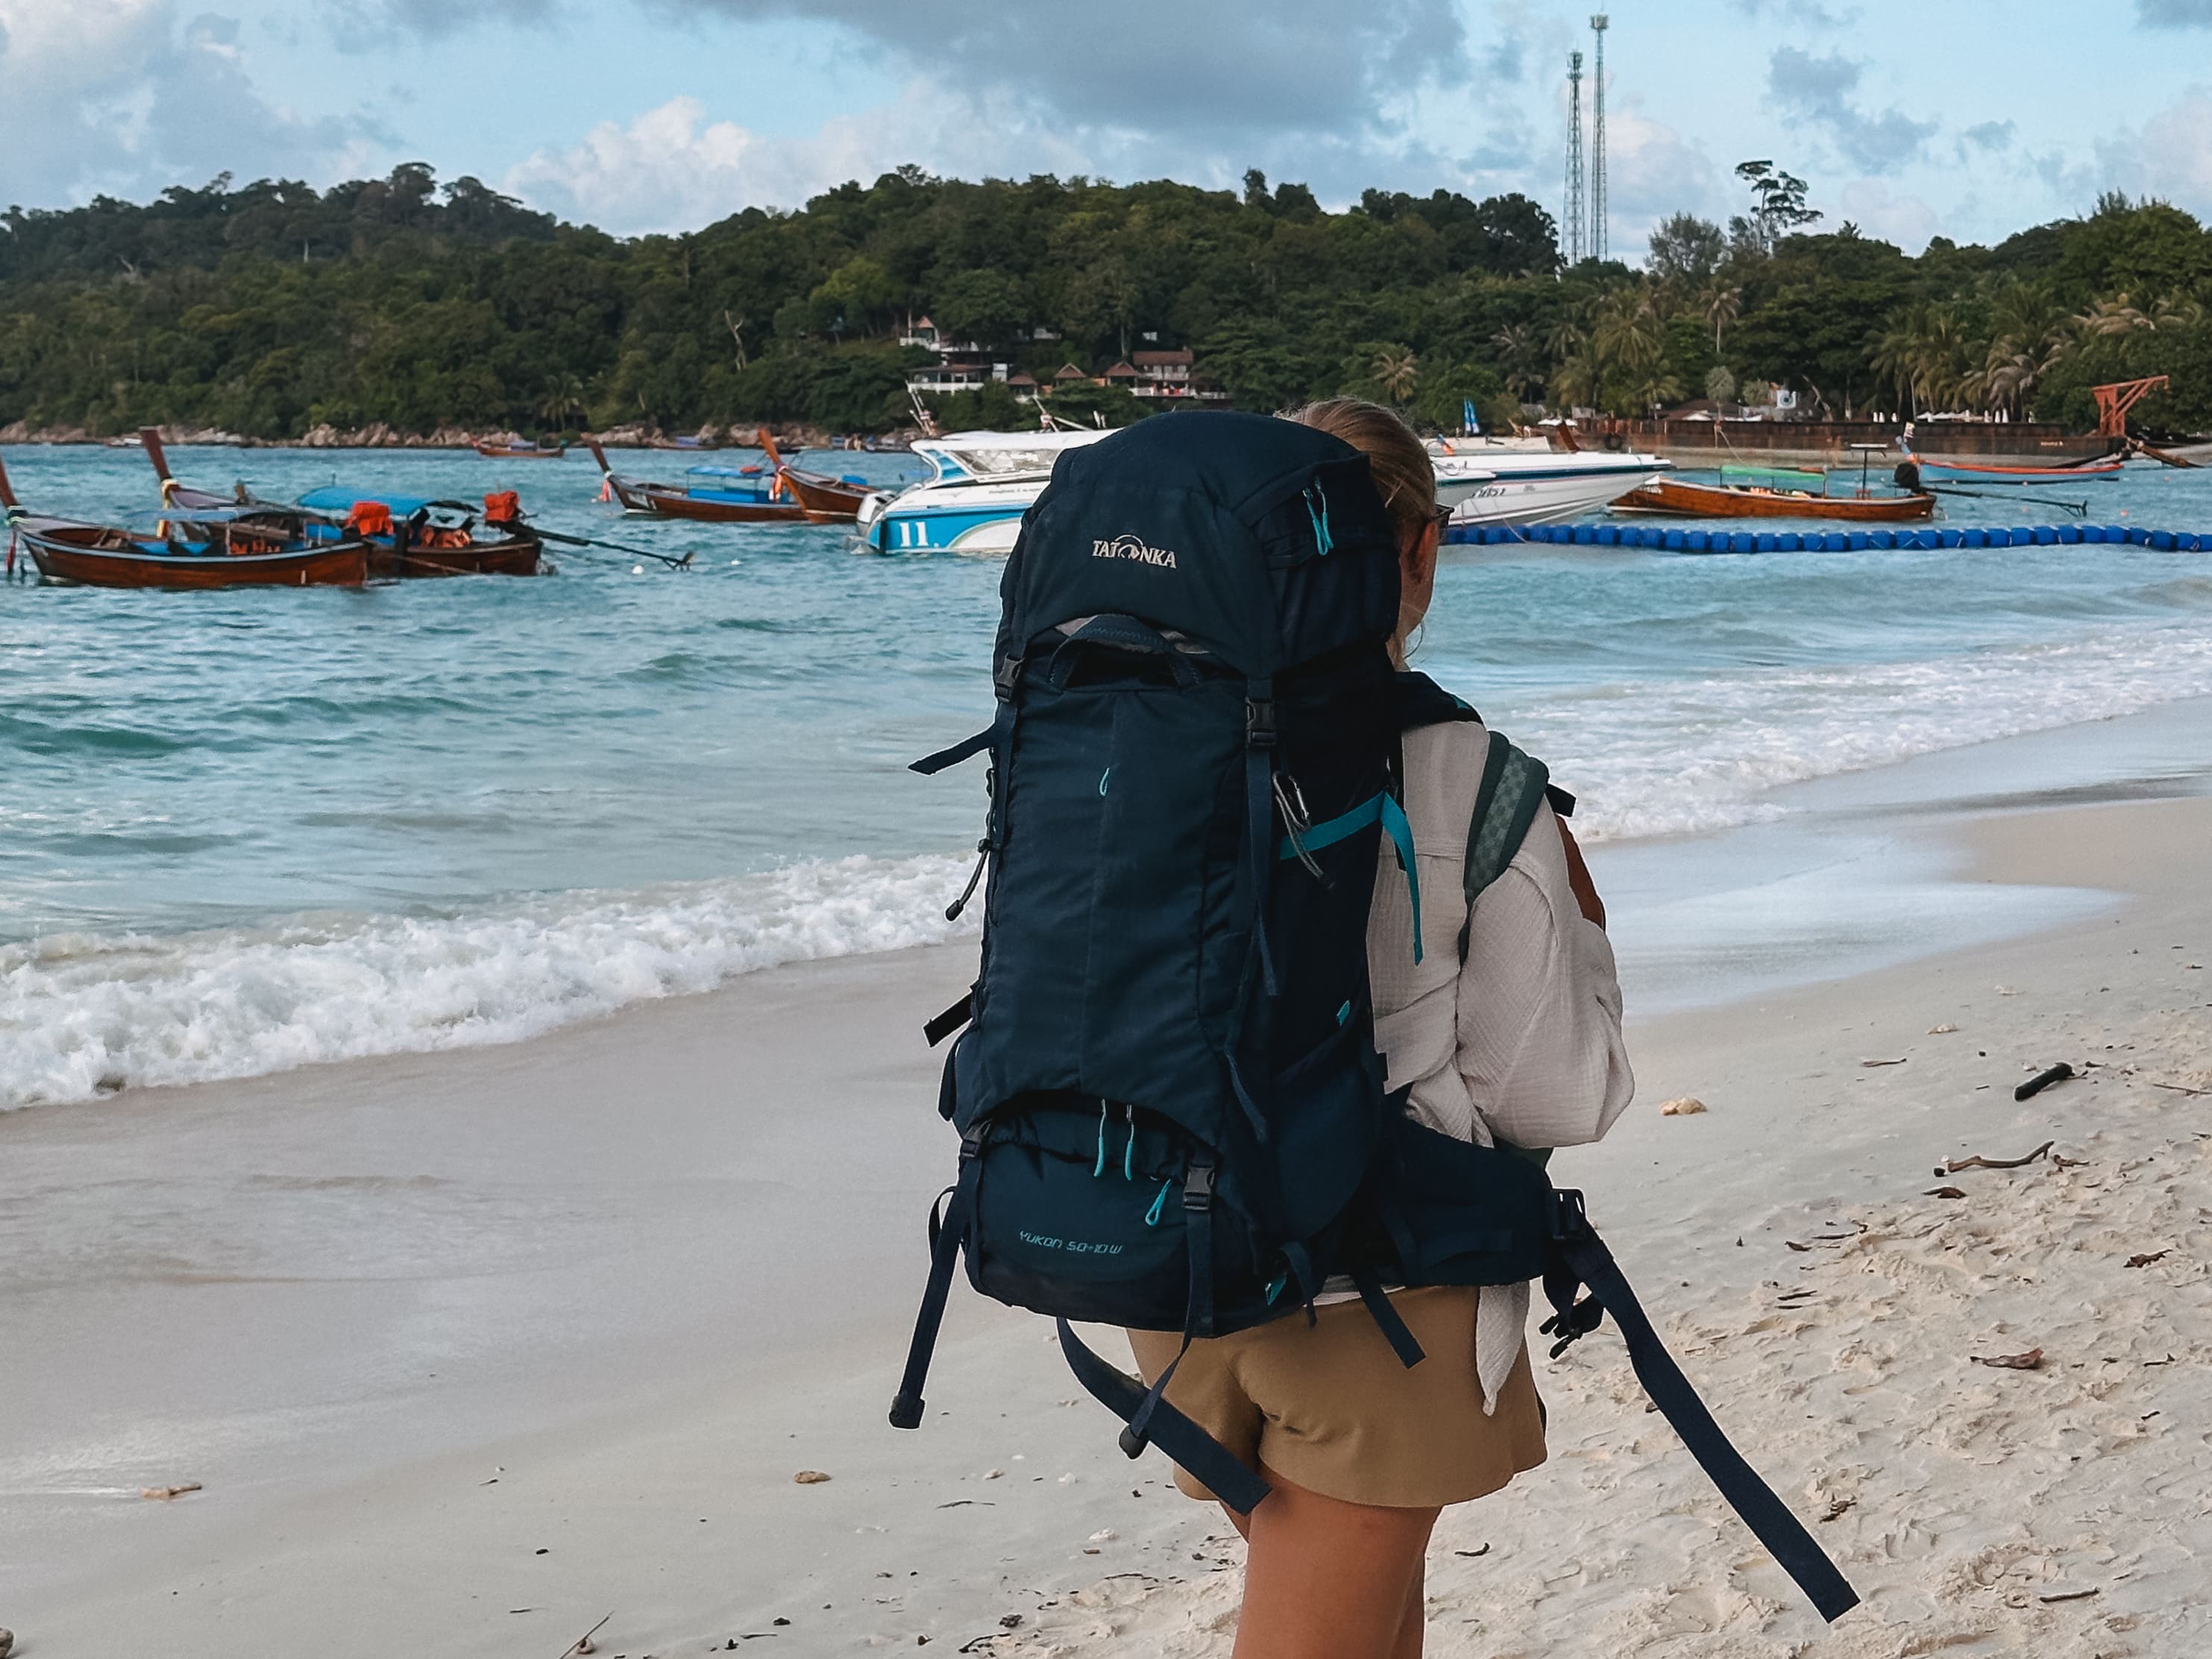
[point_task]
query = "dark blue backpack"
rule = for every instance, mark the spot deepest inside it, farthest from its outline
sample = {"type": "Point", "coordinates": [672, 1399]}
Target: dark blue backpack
{"type": "Point", "coordinates": [1171, 1111]}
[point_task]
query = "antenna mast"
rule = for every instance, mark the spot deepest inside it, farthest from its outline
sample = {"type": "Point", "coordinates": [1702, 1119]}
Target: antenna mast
{"type": "Point", "coordinates": [1597, 142]}
{"type": "Point", "coordinates": [1573, 219]}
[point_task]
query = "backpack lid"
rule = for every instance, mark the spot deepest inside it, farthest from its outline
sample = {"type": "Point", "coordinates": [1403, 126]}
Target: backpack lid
{"type": "Point", "coordinates": [1257, 539]}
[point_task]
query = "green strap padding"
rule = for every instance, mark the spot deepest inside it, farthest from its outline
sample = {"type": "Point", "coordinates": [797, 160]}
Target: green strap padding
{"type": "Point", "coordinates": [1512, 789]}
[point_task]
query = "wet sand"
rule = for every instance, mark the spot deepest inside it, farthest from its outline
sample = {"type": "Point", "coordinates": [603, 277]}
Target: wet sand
{"type": "Point", "coordinates": [468, 1350]}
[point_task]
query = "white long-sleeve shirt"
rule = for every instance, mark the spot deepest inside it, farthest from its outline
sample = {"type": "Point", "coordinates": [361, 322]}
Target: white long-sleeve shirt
{"type": "Point", "coordinates": [1522, 1044]}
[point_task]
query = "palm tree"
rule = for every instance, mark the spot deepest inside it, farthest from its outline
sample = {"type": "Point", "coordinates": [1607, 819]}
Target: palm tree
{"type": "Point", "coordinates": [1721, 305]}
{"type": "Point", "coordinates": [1396, 371]}
{"type": "Point", "coordinates": [564, 392]}
{"type": "Point", "coordinates": [1517, 358]}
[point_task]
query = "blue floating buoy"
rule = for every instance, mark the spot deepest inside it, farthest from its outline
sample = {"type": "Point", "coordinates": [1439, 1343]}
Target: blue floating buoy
{"type": "Point", "coordinates": [1584, 535]}
{"type": "Point", "coordinates": [2116, 533]}
{"type": "Point", "coordinates": [1950, 538]}
{"type": "Point", "coordinates": [1695, 541]}
{"type": "Point", "coordinates": [1859, 540]}
{"type": "Point", "coordinates": [1973, 538]}
{"type": "Point", "coordinates": [2138, 535]}
{"type": "Point", "coordinates": [1672, 541]}
{"type": "Point", "coordinates": [1764, 542]}
{"type": "Point", "coordinates": [1837, 541]}
{"type": "Point", "coordinates": [2047, 536]}
{"type": "Point", "coordinates": [2092, 532]}
{"type": "Point", "coordinates": [1743, 541]}
{"type": "Point", "coordinates": [1880, 539]}
{"type": "Point", "coordinates": [2069, 534]}
{"type": "Point", "coordinates": [2162, 540]}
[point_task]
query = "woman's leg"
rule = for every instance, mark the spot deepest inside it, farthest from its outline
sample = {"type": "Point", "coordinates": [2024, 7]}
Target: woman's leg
{"type": "Point", "coordinates": [1325, 1579]}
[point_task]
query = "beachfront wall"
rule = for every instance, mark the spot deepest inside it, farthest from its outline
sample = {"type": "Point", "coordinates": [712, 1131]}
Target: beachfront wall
{"type": "Point", "coordinates": [1708, 443]}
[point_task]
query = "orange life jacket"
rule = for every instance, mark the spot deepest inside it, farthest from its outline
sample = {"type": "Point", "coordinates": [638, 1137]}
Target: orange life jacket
{"type": "Point", "coordinates": [503, 506]}
{"type": "Point", "coordinates": [369, 519]}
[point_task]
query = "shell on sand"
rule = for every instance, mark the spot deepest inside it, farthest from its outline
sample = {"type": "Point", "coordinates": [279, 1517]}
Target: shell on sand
{"type": "Point", "coordinates": [809, 1478]}
{"type": "Point", "coordinates": [6, 1643]}
{"type": "Point", "coordinates": [1682, 1106]}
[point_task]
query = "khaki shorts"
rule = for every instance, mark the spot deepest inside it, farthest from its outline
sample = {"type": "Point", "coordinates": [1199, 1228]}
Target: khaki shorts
{"type": "Point", "coordinates": [1330, 1406]}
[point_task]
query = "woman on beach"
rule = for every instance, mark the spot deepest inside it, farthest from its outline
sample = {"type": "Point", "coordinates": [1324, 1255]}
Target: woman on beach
{"type": "Point", "coordinates": [1521, 1045]}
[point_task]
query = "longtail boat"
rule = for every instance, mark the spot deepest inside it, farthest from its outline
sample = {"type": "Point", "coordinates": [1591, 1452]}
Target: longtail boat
{"type": "Point", "coordinates": [248, 548]}
{"type": "Point", "coordinates": [827, 500]}
{"type": "Point", "coordinates": [728, 496]}
{"type": "Point", "coordinates": [411, 537]}
{"type": "Point", "coordinates": [499, 450]}
{"type": "Point", "coordinates": [1681, 498]}
{"type": "Point", "coordinates": [1932, 469]}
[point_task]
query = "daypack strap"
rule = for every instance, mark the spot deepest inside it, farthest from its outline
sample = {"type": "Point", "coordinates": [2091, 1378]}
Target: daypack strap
{"type": "Point", "coordinates": [1584, 1257]}
{"type": "Point", "coordinates": [944, 1252]}
{"type": "Point", "coordinates": [1191, 1448]}
{"type": "Point", "coordinates": [1382, 807]}
{"type": "Point", "coordinates": [1513, 787]}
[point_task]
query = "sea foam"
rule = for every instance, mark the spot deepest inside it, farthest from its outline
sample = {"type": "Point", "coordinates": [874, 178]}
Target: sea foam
{"type": "Point", "coordinates": [82, 1016]}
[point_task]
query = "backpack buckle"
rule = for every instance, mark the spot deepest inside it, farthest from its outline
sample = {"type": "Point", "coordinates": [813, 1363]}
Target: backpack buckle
{"type": "Point", "coordinates": [1198, 1187]}
{"type": "Point", "coordinates": [1259, 723]}
{"type": "Point", "coordinates": [1569, 1217]}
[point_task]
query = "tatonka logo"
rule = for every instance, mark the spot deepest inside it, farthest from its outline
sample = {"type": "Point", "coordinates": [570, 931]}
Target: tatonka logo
{"type": "Point", "coordinates": [1132, 547]}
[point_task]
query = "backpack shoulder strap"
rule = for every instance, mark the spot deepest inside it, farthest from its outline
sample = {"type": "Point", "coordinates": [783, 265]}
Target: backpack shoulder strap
{"type": "Point", "coordinates": [1514, 785]}
{"type": "Point", "coordinates": [1419, 700]}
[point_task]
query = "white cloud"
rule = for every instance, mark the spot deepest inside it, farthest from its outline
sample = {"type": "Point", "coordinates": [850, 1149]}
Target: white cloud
{"type": "Point", "coordinates": [1651, 171]}
{"type": "Point", "coordinates": [669, 169]}
{"type": "Point", "coordinates": [1887, 214]}
{"type": "Point", "coordinates": [2176, 150]}
{"type": "Point", "coordinates": [131, 96]}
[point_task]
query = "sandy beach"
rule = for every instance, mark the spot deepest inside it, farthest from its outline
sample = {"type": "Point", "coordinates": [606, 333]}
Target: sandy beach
{"type": "Point", "coordinates": [465, 1350]}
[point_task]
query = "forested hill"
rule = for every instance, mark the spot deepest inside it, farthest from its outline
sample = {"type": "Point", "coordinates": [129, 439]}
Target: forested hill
{"type": "Point", "coordinates": [272, 309]}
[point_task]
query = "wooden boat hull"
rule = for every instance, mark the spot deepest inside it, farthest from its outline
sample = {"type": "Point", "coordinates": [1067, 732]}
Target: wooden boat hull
{"type": "Point", "coordinates": [827, 500]}
{"type": "Point", "coordinates": [675, 504]}
{"type": "Point", "coordinates": [1682, 499]}
{"type": "Point", "coordinates": [1935, 471]}
{"type": "Point", "coordinates": [75, 554]}
{"type": "Point", "coordinates": [509, 453]}
{"type": "Point", "coordinates": [510, 556]}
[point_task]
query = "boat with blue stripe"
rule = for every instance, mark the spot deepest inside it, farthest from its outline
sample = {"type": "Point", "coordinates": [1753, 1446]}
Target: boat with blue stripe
{"type": "Point", "coordinates": [980, 484]}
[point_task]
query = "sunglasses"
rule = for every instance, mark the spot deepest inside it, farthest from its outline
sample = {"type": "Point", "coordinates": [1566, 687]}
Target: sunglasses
{"type": "Point", "coordinates": [1440, 516]}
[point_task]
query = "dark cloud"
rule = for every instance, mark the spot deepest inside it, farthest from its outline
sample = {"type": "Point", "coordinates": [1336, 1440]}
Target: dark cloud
{"type": "Point", "coordinates": [1161, 66]}
{"type": "Point", "coordinates": [1987, 135]}
{"type": "Point", "coordinates": [1823, 88]}
{"type": "Point", "coordinates": [2174, 14]}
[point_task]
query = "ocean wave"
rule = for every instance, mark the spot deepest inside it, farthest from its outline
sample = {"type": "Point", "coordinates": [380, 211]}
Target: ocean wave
{"type": "Point", "coordinates": [82, 1017]}
{"type": "Point", "coordinates": [1680, 757]}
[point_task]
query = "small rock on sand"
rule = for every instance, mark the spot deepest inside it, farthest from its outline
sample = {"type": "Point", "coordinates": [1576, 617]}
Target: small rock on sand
{"type": "Point", "coordinates": [6, 1643]}
{"type": "Point", "coordinates": [809, 1478]}
{"type": "Point", "coordinates": [1944, 1029]}
{"type": "Point", "coordinates": [165, 1493]}
{"type": "Point", "coordinates": [1682, 1106]}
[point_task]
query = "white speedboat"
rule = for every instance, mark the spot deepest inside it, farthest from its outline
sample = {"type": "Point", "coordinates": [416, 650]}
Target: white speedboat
{"type": "Point", "coordinates": [980, 484]}
{"type": "Point", "coordinates": [1502, 486]}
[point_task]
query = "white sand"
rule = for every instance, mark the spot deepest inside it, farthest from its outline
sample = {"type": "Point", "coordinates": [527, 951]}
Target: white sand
{"type": "Point", "coordinates": [413, 1322]}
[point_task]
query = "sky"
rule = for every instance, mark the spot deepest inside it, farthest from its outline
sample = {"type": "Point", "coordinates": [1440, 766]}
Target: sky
{"type": "Point", "coordinates": [1910, 120]}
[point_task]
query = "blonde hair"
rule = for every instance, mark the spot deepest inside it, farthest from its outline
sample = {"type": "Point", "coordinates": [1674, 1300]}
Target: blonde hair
{"type": "Point", "coordinates": [1398, 460]}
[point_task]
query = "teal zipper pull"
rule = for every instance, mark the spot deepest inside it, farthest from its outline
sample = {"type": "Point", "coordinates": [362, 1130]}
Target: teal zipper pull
{"type": "Point", "coordinates": [1159, 1202]}
{"type": "Point", "coordinates": [1129, 1152]}
{"type": "Point", "coordinates": [1099, 1168]}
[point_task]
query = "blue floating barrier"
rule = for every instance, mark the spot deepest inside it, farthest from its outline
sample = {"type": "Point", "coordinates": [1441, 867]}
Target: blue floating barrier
{"type": "Point", "coordinates": [1645, 535]}
{"type": "Point", "coordinates": [1763, 542]}
{"type": "Point", "coordinates": [1837, 541]}
{"type": "Point", "coordinates": [2069, 535]}
{"type": "Point", "coordinates": [1673, 541]}
{"type": "Point", "coordinates": [2116, 533]}
{"type": "Point", "coordinates": [1583, 535]}
{"type": "Point", "coordinates": [1743, 541]}
{"type": "Point", "coordinates": [2138, 535]}
{"type": "Point", "coordinates": [2047, 536]}
{"type": "Point", "coordinates": [2092, 532]}
{"type": "Point", "coordinates": [1880, 539]}
{"type": "Point", "coordinates": [1858, 540]}
{"type": "Point", "coordinates": [2162, 540]}
{"type": "Point", "coordinates": [2183, 542]}
{"type": "Point", "coordinates": [1973, 538]}
{"type": "Point", "coordinates": [1950, 538]}
{"type": "Point", "coordinates": [1694, 541]}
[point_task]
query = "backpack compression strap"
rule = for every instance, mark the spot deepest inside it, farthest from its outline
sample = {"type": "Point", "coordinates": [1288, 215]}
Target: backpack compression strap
{"type": "Point", "coordinates": [1582, 1259]}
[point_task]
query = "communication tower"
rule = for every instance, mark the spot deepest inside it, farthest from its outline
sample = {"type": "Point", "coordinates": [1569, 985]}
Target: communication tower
{"type": "Point", "coordinates": [1597, 142]}
{"type": "Point", "coordinates": [1572, 222]}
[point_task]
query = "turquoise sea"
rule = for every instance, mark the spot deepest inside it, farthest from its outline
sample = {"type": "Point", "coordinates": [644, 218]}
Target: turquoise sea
{"type": "Point", "coordinates": [243, 831]}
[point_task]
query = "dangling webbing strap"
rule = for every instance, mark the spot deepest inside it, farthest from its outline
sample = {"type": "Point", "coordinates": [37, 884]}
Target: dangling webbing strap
{"type": "Point", "coordinates": [1191, 1447]}
{"type": "Point", "coordinates": [1387, 1319]}
{"type": "Point", "coordinates": [1382, 807]}
{"type": "Point", "coordinates": [1586, 1260]}
{"type": "Point", "coordinates": [950, 1233]}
